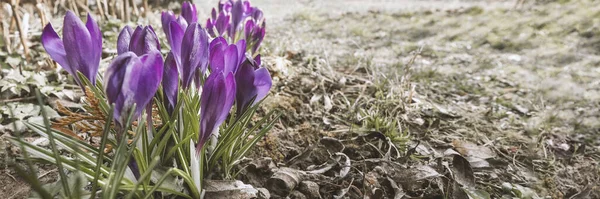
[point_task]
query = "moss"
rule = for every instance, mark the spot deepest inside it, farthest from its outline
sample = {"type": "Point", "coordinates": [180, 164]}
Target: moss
{"type": "Point", "coordinates": [475, 10]}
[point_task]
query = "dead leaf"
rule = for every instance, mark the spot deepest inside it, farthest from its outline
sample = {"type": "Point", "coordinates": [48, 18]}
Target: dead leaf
{"type": "Point", "coordinates": [478, 162]}
{"type": "Point", "coordinates": [333, 145]}
{"type": "Point", "coordinates": [462, 172]}
{"type": "Point", "coordinates": [345, 165]}
{"type": "Point", "coordinates": [327, 105]}
{"type": "Point", "coordinates": [468, 149]}
{"type": "Point", "coordinates": [417, 173]}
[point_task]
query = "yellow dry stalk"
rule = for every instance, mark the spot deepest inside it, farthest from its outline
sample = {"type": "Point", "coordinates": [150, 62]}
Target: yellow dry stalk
{"type": "Point", "coordinates": [91, 121]}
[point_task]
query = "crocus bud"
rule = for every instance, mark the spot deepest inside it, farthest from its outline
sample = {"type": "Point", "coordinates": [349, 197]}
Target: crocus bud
{"type": "Point", "coordinates": [131, 80]}
{"type": "Point", "coordinates": [79, 50]}
{"type": "Point", "coordinates": [173, 27]}
{"type": "Point", "coordinates": [175, 37]}
{"type": "Point", "coordinates": [189, 13]}
{"type": "Point", "coordinates": [143, 41]}
{"type": "Point", "coordinates": [165, 18]}
{"type": "Point", "coordinates": [194, 53]}
{"type": "Point", "coordinates": [217, 98]}
{"type": "Point", "coordinates": [124, 39]}
{"type": "Point", "coordinates": [222, 23]}
{"type": "Point", "coordinates": [219, 23]}
{"type": "Point", "coordinates": [237, 16]}
{"type": "Point", "coordinates": [225, 5]}
{"type": "Point", "coordinates": [226, 58]}
{"type": "Point", "coordinates": [254, 35]}
{"type": "Point", "coordinates": [254, 82]}
{"type": "Point", "coordinates": [170, 83]}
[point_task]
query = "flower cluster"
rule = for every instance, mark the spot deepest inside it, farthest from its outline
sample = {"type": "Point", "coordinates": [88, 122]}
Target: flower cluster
{"type": "Point", "coordinates": [220, 62]}
{"type": "Point", "coordinates": [238, 19]}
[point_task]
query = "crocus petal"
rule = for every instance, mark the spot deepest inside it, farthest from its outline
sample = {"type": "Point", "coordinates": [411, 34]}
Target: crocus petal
{"type": "Point", "coordinates": [210, 28]}
{"type": "Point", "coordinates": [219, 41]}
{"type": "Point", "coordinates": [151, 73]}
{"type": "Point", "coordinates": [176, 37]}
{"type": "Point", "coordinates": [217, 99]}
{"type": "Point", "coordinates": [241, 48]}
{"type": "Point", "coordinates": [222, 23]}
{"type": "Point", "coordinates": [182, 22]}
{"type": "Point", "coordinates": [252, 84]}
{"type": "Point", "coordinates": [96, 36]}
{"type": "Point", "coordinates": [258, 38]}
{"type": "Point", "coordinates": [230, 60]}
{"type": "Point", "coordinates": [217, 50]}
{"type": "Point", "coordinates": [225, 5]}
{"type": "Point", "coordinates": [237, 15]}
{"type": "Point", "coordinates": [257, 60]}
{"type": "Point", "coordinates": [124, 39]}
{"type": "Point", "coordinates": [257, 14]}
{"type": "Point", "coordinates": [248, 29]}
{"type": "Point", "coordinates": [79, 47]}
{"type": "Point", "coordinates": [194, 52]}
{"type": "Point", "coordinates": [188, 11]}
{"type": "Point", "coordinates": [245, 91]}
{"type": "Point", "coordinates": [170, 82]}
{"type": "Point", "coordinates": [165, 19]}
{"type": "Point", "coordinates": [247, 6]}
{"type": "Point", "coordinates": [121, 81]}
{"type": "Point", "coordinates": [263, 83]}
{"type": "Point", "coordinates": [55, 48]}
{"type": "Point", "coordinates": [213, 14]}
{"type": "Point", "coordinates": [144, 40]}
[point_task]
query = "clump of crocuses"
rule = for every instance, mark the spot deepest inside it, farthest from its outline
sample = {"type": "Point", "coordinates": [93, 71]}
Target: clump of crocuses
{"type": "Point", "coordinates": [198, 97]}
{"type": "Point", "coordinates": [237, 20]}
{"type": "Point", "coordinates": [219, 62]}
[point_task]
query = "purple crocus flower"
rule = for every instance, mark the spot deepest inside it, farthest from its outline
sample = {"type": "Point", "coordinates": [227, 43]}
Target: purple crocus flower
{"type": "Point", "coordinates": [132, 80]}
{"type": "Point", "coordinates": [144, 40]}
{"type": "Point", "coordinates": [80, 49]}
{"type": "Point", "coordinates": [238, 10]}
{"type": "Point", "coordinates": [174, 28]}
{"type": "Point", "coordinates": [189, 13]}
{"type": "Point", "coordinates": [217, 99]}
{"type": "Point", "coordinates": [170, 82]}
{"type": "Point", "coordinates": [141, 41]}
{"type": "Point", "coordinates": [226, 58]}
{"type": "Point", "coordinates": [168, 17]}
{"type": "Point", "coordinates": [254, 82]}
{"type": "Point", "coordinates": [225, 5]}
{"type": "Point", "coordinates": [194, 53]}
{"type": "Point", "coordinates": [254, 34]}
{"type": "Point", "coordinates": [219, 22]}
{"type": "Point", "coordinates": [123, 40]}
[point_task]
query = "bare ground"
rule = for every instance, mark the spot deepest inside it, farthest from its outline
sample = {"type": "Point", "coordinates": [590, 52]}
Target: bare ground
{"type": "Point", "coordinates": [515, 92]}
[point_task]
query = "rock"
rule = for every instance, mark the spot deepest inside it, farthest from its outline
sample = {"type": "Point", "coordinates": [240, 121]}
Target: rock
{"type": "Point", "coordinates": [263, 193]}
{"type": "Point", "coordinates": [310, 189]}
{"type": "Point", "coordinates": [221, 189]}
{"type": "Point", "coordinates": [283, 181]}
{"type": "Point", "coordinates": [297, 195]}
